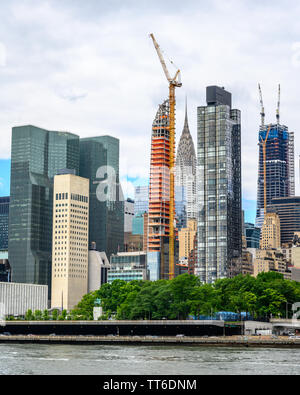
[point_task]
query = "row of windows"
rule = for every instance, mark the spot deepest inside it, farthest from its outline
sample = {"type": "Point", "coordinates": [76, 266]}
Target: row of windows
{"type": "Point", "coordinates": [61, 196]}
{"type": "Point", "coordinates": [79, 198]}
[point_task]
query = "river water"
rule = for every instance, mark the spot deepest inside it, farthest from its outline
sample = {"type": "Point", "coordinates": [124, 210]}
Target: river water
{"type": "Point", "coordinates": [152, 360]}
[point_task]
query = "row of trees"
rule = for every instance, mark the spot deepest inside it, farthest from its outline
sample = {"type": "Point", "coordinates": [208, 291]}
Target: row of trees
{"type": "Point", "coordinates": [268, 294]}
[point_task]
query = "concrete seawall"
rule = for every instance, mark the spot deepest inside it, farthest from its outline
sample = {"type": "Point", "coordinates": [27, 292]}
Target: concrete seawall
{"type": "Point", "coordinates": [230, 341]}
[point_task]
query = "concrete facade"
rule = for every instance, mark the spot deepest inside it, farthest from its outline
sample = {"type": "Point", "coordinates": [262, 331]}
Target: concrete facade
{"type": "Point", "coordinates": [98, 267]}
{"type": "Point", "coordinates": [270, 232]}
{"type": "Point", "coordinates": [70, 240]}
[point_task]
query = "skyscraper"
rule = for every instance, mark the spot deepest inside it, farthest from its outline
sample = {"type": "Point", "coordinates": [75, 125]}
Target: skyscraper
{"type": "Point", "coordinates": [288, 210]}
{"type": "Point", "coordinates": [159, 196]}
{"type": "Point", "coordinates": [279, 166]}
{"type": "Point", "coordinates": [99, 162]}
{"type": "Point", "coordinates": [218, 187]}
{"type": "Point", "coordinates": [36, 156]}
{"type": "Point", "coordinates": [4, 213]}
{"type": "Point", "coordinates": [70, 240]}
{"type": "Point", "coordinates": [186, 174]}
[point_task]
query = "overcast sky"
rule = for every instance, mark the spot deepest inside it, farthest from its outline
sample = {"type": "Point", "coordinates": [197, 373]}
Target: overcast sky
{"type": "Point", "coordinates": [89, 67]}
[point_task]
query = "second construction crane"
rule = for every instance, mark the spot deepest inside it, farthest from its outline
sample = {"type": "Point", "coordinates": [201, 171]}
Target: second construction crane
{"type": "Point", "coordinates": [174, 82]}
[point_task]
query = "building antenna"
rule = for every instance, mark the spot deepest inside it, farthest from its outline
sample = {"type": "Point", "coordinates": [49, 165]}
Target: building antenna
{"type": "Point", "coordinates": [278, 107]}
{"type": "Point", "coordinates": [262, 111]}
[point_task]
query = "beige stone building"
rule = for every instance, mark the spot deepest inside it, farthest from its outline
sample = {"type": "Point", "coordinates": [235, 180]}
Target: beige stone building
{"type": "Point", "coordinates": [270, 260]}
{"type": "Point", "coordinates": [70, 240]}
{"type": "Point", "coordinates": [270, 232]}
{"type": "Point", "coordinates": [186, 237]}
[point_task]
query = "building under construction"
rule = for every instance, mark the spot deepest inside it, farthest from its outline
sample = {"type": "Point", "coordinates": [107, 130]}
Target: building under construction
{"type": "Point", "coordinates": [159, 198]}
{"type": "Point", "coordinates": [278, 164]}
{"type": "Point", "coordinates": [159, 194]}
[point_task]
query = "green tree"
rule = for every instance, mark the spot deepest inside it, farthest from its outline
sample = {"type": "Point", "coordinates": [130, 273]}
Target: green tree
{"type": "Point", "coordinates": [29, 315]}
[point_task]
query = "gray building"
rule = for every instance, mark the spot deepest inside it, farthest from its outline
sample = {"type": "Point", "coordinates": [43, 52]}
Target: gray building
{"type": "Point", "coordinates": [128, 214]}
{"type": "Point", "coordinates": [98, 268]}
{"type": "Point", "coordinates": [36, 156]}
{"type": "Point", "coordinates": [4, 214]}
{"type": "Point", "coordinates": [218, 187]}
{"type": "Point", "coordinates": [288, 210]}
{"type": "Point", "coordinates": [99, 162]}
{"type": "Point", "coordinates": [128, 266]}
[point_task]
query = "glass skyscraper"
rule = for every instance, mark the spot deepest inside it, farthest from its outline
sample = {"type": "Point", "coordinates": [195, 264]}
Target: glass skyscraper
{"type": "Point", "coordinates": [280, 180]}
{"type": "Point", "coordinates": [36, 156]}
{"type": "Point", "coordinates": [4, 212]}
{"type": "Point", "coordinates": [218, 188]}
{"type": "Point", "coordinates": [99, 162]}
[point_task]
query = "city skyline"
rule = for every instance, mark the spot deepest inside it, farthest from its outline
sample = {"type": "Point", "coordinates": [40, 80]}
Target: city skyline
{"type": "Point", "coordinates": [78, 95]}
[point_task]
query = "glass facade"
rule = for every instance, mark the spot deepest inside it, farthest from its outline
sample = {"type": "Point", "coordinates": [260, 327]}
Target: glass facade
{"type": "Point", "coordinates": [288, 210]}
{"type": "Point", "coordinates": [4, 213]}
{"type": "Point", "coordinates": [99, 162]}
{"type": "Point", "coordinates": [279, 166]}
{"type": "Point", "coordinates": [218, 190]}
{"type": "Point", "coordinates": [36, 156]}
{"type": "Point", "coordinates": [138, 224]}
{"type": "Point", "coordinates": [252, 234]}
{"type": "Point", "coordinates": [141, 199]}
{"type": "Point", "coordinates": [128, 267]}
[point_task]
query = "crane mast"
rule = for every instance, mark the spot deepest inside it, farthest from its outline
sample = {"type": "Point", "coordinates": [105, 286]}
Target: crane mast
{"type": "Point", "coordinates": [278, 107]}
{"type": "Point", "coordinates": [262, 113]}
{"type": "Point", "coordinates": [173, 83]}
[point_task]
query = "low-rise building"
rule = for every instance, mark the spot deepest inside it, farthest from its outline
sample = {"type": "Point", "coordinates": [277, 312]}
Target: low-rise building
{"type": "Point", "coordinates": [18, 298]}
{"type": "Point", "coordinates": [98, 268]}
{"type": "Point", "coordinates": [271, 260]}
{"type": "Point", "coordinates": [128, 266]}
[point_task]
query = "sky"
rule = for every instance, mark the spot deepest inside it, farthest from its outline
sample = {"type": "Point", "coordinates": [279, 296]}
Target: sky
{"type": "Point", "coordinates": [89, 67]}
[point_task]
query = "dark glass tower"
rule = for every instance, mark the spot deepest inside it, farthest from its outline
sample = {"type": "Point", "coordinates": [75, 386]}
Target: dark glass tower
{"type": "Point", "coordinates": [36, 156]}
{"type": "Point", "coordinates": [4, 212]}
{"type": "Point", "coordinates": [218, 188]}
{"type": "Point", "coordinates": [279, 167]}
{"type": "Point", "coordinates": [99, 162]}
{"type": "Point", "coordinates": [288, 209]}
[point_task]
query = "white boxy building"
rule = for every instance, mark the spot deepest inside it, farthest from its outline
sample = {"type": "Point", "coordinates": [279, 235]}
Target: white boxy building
{"type": "Point", "coordinates": [17, 298]}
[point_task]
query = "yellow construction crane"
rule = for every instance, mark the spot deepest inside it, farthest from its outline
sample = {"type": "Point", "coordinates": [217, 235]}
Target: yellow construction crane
{"type": "Point", "coordinates": [173, 83]}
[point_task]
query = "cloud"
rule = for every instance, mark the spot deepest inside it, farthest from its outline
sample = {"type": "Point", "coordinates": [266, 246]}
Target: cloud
{"type": "Point", "coordinates": [2, 55]}
{"type": "Point", "coordinates": [127, 188]}
{"type": "Point", "coordinates": [90, 68]}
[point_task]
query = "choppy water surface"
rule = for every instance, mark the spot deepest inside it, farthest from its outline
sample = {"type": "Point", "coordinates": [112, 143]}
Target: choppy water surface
{"type": "Point", "coordinates": [156, 360]}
